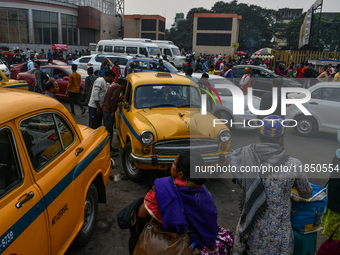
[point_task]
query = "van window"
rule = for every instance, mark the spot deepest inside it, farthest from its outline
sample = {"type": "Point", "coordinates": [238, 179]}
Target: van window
{"type": "Point", "coordinates": [113, 59]}
{"type": "Point", "coordinates": [143, 51]}
{"type": "Point", "coordinates": [167, 52]}
{"type": "Point", "coordinates": [100, 48]}
{"type": "Point", "coordinates": [132, 50]}
{"type": "Point", "coordinates": [119, 49]}
{"type": "Point", "coordinates": [108, 48]}
{"type": "Point", "coordinates": [122, 61]}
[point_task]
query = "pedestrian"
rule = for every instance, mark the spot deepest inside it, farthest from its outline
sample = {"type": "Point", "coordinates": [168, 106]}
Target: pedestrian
{"type": "Point", "coordinates": [291, 70]}
{"type": "Point", "coordinates": [264, 226]}
{"type": "Point", "coordinates": [161, 67]}
{"type": "Point", "coordinates": [245, 82]}
{"type": "Point", "coordinates": [50, 62]}
{"type": "Point", "coordinates": [97, 99]}
{"type": "Point", "coordinates": [9, 58]}
{"type": "Point", "coordinates": [185, 203]}
{"type": "Point", "coordinates": [28, 54]}
{"type": "Point", "coordinates": [267, 98]}
{"type": "Point", "coordinates": [72, 90]}
{"type": "Point", "coordinates": [36, 55]}
{"type": "Point", "coordinates": [159, 56]}
{"type": "Point", "coordinates": [131, 68]}
{"type": "Point", "coordinates": [310, 74]}
{"type": "Point", "coordinates": [23, 56]}
{"type": "Point", "coordinates": [302, 73]}
{"type": "Point", "coordinates": [51, 88]}
{"type": "Point", "coordinates": [331, 71]}
{"type": "Point", "coordinates": [43, 54]}
{"type": "Point", "coordinates": [204, 65]}
{"type": "Point", "coordinates": [224, 57]}
{"type": "Point", "coordinates": [55, 54]}
{"type": "Point", "coordinates": [49, 54]}
{"type": "Point", "coordinates": [212, 70]}
{"type": "Point", "coordinates": [89, 81]}
{"type": "Point", "coordinates": [219, 62]}
{"type": "Point", "coordinates": [30, 63]}
{"type": "Point", "coordinates": [228, 72]}
{"type": "Point", "coordinates": [16, 60]}
{"type": "Point", "coordinates": [337, 77]}
{"type": "Point", "coordinates": [116, 69]}
{"type": "Point", "coordinates": [107, 64]}
{"type": "Point", "coordinates": [109, 108]}
{"type": "Point", "coordinates": [222, 65]}
{"type": "Point", "coordinates": [102, 71]}
{"type": "Point", "coordinates": [280, 70]}
{"type": "Point", "coordinates": [323, 77]}
{"type": "Point", "coordinates": [263, 64]}
{"type": "Point", "coordinates": [188, 73]}
{"type": "Point", "coordinates": [331, 219]}
{"type": "Point", "coordinates": [39, 85]}
{"type": "Point", "coordinates": [198, 66]}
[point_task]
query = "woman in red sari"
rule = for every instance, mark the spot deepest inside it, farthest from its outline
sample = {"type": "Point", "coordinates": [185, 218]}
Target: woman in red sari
{"type": "Point", "coordinates": [116, 69]}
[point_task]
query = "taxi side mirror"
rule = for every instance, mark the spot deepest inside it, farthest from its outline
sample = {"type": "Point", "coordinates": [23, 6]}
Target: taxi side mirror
{"type": "Point", "coordinates": [126, 106]}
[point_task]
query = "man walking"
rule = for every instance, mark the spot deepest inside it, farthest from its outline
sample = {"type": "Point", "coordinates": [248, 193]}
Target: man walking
{"type": "Point", "coordinates": [109, 108]}
{"type": "Point", "coordinates": [28, 54]}
{"type": "Point", "coordinates": [30, 63]}
{"type": "Point", "coordinates": [43, 54]}
{"type": "Point", "coordinates": [49, 54]}
{"type": "Point", "coordinates": [89, 81]}
{"type": "Point", "coordinates": [116, 69]}
{"type": "Point", "coordinates": [245, 81]}
{"type": "Point", "coordinates": [97, 99]}
{"type": "Point", "coordinates": [39, 86]}
{"type": "Point", "coordinates": [72, 90]}
{"type": "Point", "coordinates": [310, 74]}
{"type": "Point", "coordinates": [264, 226]}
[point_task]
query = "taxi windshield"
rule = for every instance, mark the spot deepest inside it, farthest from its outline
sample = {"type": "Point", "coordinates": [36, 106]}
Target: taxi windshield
{"type": "Point", "coordinates": [167, 95]}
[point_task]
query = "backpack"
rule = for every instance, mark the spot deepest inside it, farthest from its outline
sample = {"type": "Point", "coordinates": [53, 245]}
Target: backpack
{"type": "Point", "coordinates": [24, 67]}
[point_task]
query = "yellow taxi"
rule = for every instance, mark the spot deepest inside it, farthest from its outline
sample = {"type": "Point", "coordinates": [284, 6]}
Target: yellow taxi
{"type": "Point", "coordinates": [159, 117]}
{"type": "Point", "coordinates": [53, 174]}
{"type": "Point", "coordinates": [10, 83]}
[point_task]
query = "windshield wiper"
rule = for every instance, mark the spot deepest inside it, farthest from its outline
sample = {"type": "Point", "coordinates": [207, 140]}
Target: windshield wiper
{"type": "Point", "coordinates": [189, 105]}
{"type": "Point", "coordinates": [162, 105]}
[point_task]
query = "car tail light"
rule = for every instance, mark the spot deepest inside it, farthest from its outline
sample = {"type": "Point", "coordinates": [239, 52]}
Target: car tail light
{"type": "Point", "coordinates": [289, 104]}
{"type": "Point", "coordinates": [53, 137]}
{"type": "Point", "coordinates": [19, 77]}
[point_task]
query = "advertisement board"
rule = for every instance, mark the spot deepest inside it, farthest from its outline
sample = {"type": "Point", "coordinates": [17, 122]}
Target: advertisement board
{"type": "Point", "coordinates": [305, 29]}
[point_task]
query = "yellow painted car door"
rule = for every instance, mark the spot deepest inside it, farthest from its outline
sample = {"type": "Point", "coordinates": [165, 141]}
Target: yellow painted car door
{"type": "Point", "coordinates": [23, 228]}
{"type": "Point", "coordinates": [52, 152]}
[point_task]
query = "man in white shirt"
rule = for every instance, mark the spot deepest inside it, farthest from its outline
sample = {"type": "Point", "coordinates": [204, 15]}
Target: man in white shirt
{"type": "Point", "coordinates": [245, 81]}
{"type": "Point", "coordinates": [96, 102]}
{"type": "Point", "coordinates": [263, 64]}
{"type": "Point", "coordinates": [28, 54]}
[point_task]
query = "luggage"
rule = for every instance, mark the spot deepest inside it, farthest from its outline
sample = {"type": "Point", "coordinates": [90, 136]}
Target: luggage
{"type": "Point", "coordinates": [304, 244]}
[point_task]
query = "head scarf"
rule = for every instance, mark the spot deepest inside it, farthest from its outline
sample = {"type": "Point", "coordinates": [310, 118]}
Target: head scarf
{"type": "Point", "coordinates": [273, 126]}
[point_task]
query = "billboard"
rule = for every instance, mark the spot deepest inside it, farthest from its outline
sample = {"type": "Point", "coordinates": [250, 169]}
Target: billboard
{"type": "Point", "coordinates": [317, 4]}
{"type": "Point", "coordinates": [305, 29]}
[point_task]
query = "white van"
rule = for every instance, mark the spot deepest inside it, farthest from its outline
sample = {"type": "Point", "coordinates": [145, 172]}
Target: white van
{"type": "Point", "coordinates": [172, 52]}
{"type": "Point", "coordinates": [92, 48]}
{"type": "Point", "coordinates": [128, 46]}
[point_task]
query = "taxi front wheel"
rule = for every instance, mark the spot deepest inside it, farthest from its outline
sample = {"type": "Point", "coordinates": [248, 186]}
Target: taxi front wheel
{"type": "Point", "coordinates": [90, 216]}
{"type": "Point", "coordinates": [131, 170]}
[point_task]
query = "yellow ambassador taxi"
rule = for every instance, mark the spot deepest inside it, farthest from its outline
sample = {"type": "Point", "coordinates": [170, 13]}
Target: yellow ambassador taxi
{"type": "Point", "coordinates": [53, 174]}
{"type": "Point", "coordinates": [10, 83]}
{"type": "Point", "coordinates": [159, 117]}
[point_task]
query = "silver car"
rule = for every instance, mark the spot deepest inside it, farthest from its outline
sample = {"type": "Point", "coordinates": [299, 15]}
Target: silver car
{"type": "Point", "coordinates": [4, 69]}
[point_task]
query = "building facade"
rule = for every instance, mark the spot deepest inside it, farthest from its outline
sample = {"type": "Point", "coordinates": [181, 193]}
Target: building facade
{"type": "Point", "coordinates": [214, 33]}
{"type": "Point", "coordinates": [144, 26]}
{"type": "Point", "coordinates": [40, 24]}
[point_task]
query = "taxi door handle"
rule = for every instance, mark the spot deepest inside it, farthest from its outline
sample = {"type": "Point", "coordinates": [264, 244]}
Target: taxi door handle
{"type": "Point", "coordinates": [29, 196]}
{"type": "Point", "coordinates": [79, 150]}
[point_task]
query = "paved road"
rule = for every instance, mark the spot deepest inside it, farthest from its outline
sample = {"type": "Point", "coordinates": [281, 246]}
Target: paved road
{"type": "Point", "coordinates": [109, 239]}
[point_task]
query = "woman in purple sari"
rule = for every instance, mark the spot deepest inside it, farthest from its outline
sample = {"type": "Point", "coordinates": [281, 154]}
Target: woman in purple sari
{"type": "Point", "coordinates": [180, 203]}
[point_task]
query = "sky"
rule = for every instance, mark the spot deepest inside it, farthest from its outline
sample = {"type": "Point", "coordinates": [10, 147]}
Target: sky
{"type": "Point", "coordinates": [169, 8]}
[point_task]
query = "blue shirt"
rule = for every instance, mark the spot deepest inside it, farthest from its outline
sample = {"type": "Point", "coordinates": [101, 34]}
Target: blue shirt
{"type": "Point", "coordinates": [101, 72]}
{"type": "Point", "coordinates": [49, 54]}
{"type": "Point", "coordinates": [30, 65]}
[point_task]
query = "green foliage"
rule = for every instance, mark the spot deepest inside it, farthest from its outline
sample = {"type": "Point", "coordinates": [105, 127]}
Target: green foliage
{"type": "Point", "coordinates": [257, 27]}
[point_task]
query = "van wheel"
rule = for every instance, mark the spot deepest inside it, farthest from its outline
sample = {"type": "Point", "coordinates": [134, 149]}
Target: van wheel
{"type": "Point", "coordinates": [90, 216]}
{"type": "Point", "coordinates": [82, 98]}
{"type": "Point", "coordinates": [131, 170]}
{"type": "Point", "coordinates": [306, 126]}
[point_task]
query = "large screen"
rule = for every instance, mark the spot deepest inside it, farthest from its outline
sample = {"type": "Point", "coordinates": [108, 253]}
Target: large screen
{"type": "Point", "coordinates": [161, 26]}
{"type": "Point", "coordinates": [214, 24]}
{"type": "Point", "coordinates": [212, 39]}
{"type": "Point", "coordinates": [149, 25]}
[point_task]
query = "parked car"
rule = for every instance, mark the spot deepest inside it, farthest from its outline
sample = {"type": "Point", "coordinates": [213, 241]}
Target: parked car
{"type": "Point", "coordinates": [262, 79]}
{"type": "Point", "coordinates": [4, 68]}
{"type": "Point", "coordinates": [324, 106]}
{"type": "Point", "coordinates": [82, 62]}
{"type": "Point", "coordinates": [61, 75]}
{"type": "Point", "coordinates": [159, 117]}
{"type": "Point", "coordinates": [149, 65]}
{"type": "Point", "coordinates": [225, 111]}
{"type": "Point", "coordinates": [53, 175]}
{"type": "Point", "coordinates": [15, 69]}
{"type": "Point", "coordinates": [96, 61]}
{"type": "Point", "coordinates": [10, 83]}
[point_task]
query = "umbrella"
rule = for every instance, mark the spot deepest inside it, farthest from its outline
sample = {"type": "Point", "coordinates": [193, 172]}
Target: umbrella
{"type": "Point", "coordinates": [264, 51]}
{"type": "Point", "coordinates": [240, 53]}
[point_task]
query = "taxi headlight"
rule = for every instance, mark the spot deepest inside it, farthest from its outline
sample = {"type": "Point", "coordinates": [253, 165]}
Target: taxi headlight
{"type": "Point", "coordinates": [224, 136]}
{"type": "Point", "coordinates": [146, 137]}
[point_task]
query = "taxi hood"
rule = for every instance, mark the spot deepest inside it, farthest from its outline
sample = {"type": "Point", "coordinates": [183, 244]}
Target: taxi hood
{"type": "Point", "coordinates": [180, 123]}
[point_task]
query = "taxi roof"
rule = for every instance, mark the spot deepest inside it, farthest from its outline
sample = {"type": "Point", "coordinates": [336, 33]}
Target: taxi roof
{"type": "Point", "coordinates": [143, 78]}
{"type": "Point", "coordinates": [15, 103]}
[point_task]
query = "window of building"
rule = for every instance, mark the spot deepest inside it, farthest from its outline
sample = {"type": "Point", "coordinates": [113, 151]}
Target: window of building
{"type": "Point", "coordinates": [45, 27]}
{"type": "Point", "coordinates": [87, 36]}
{"type": "Point", "coordinates": [13, 25]}
{"type": "Point", "coordinates": [161, 26]}
{"type": "Point", "coordinates": [149, 25]}
{"type": "Point", "coordinates": [69, 29]}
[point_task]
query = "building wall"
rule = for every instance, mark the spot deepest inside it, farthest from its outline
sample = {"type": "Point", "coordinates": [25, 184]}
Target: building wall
{"type": "Point", "coordinates": [216, 36]}
{"type": "Point", "coordinates": [109, 23]}
{"type": "Point", "coordinates": [133, 27]}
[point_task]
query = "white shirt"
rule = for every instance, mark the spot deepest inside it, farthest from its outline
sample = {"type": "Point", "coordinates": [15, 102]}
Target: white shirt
{"type": "Point", "coordinates": [245, 79]}
{"type": "Point", "coordinates": [28, 54]}
{"type": "Point", "coordinates": [98, 93]}
{"type": "Point", "coordinates": [221, 66]}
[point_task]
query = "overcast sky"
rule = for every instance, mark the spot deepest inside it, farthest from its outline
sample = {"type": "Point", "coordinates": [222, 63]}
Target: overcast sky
{"type": "Point", "coordinates": [169, 8]}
